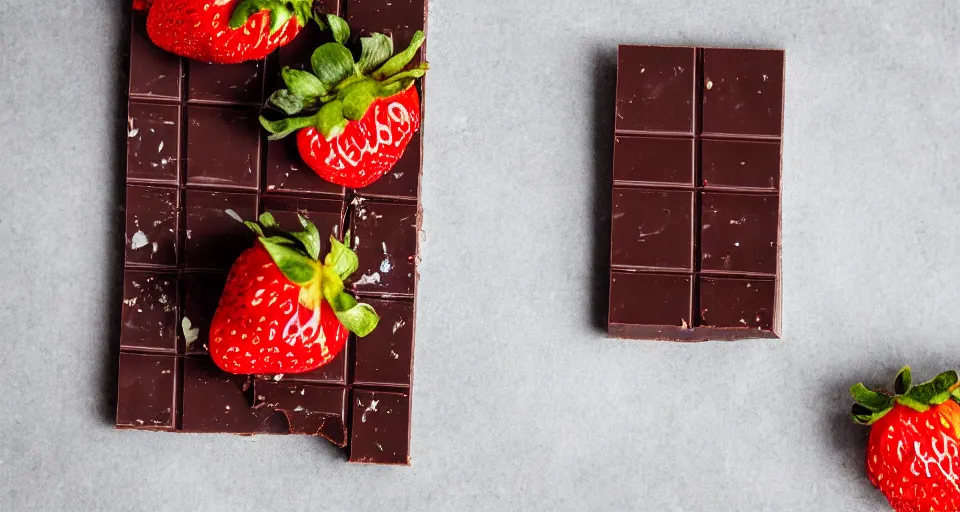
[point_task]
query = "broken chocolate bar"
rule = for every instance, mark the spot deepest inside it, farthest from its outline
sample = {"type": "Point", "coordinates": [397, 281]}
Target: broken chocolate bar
{"type": "Point", "coordinates": [695, 235]}
{"type": "Point", "coordinates": [196, 158]}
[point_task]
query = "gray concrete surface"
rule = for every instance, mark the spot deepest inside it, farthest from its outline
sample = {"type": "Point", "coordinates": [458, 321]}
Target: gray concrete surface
{"type": "Point", "coordinates": [521, 402]}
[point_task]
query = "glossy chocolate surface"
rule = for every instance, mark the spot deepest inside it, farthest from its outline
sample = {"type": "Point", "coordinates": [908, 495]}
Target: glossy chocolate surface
{"type": "Point", "coordinates": [196, 156]}
{"type": "Point", "coordinates": [695, 230]}
{"type": "Point", "coordinates": [380, 430]}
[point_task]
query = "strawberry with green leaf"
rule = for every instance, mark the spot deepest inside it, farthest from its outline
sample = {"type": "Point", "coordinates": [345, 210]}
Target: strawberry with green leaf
{"type": "Point", "coordinates": [354, 119]}
{"type": "Point", "coordinates": [913, 455]}
{"type": "Point", "coordinates": [225, 31]}
{"type": "Point", "coordinates": [283, 309]}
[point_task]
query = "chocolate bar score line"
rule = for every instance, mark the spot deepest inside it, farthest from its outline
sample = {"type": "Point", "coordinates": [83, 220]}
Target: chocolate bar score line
{"type": "Point", "coordinates": [194, 151]}
{"type": "Point", "coordinates": [695, 224]}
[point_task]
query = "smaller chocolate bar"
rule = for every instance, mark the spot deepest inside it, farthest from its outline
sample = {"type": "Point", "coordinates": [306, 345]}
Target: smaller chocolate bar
{"type": "Point", "coordinates": [695, 232]}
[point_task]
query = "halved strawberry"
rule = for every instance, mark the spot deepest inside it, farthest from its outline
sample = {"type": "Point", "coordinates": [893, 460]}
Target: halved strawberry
{"type": "Point", "coordinates": [282, 309]}
{"type": "Point", "coordinates": [360, 115]}
{"type": "Point", "coordinates": [913, 455]}
{"type": "Point", "coordinates": [226, 31]}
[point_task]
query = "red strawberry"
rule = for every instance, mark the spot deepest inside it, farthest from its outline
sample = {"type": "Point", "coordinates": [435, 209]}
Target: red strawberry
{"type": "Point", "coordinates": [226, 31]}
{"type": "Point", "coordinates": [282, 310]}
{"type": "Point", "coordinates": [912, 455]}
{"type": "Point", "coordinates": [361, 115]}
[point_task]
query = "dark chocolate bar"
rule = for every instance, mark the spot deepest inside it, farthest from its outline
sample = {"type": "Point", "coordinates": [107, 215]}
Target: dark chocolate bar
{"type": "Point", "coordinates": [196, 159]}
{"type": "Point", "coordinates": [695, 235]}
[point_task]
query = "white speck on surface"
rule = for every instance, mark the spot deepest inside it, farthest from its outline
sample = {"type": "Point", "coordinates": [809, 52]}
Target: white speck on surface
{"type": "Point", "coordinates": [384, 245]}
{"type": "Point", "coordinates": [233, 215]}
{"type": "Point", "coordinates": [742, 321]}
{"type": "Point", "coordinates": [228, 407]}
{"type": "Point", "coordinates": [130, 302]}
{"type": "Point", "coordinates": [397, 325]}
{"type": "Point", "coordinates": [190, 333]}
{"type": "Point", "coordinates": [160, 147]}
{"type": "Point", "coordinates": [683, 323]}
{"type": "Point", "coordinates": [371, 408]}
{"type": "Point", "coordinates": [709, 85]}
{"type": "Point", "coordinates": [765, 77]}
{"type": "Point", "coordinates": [749, 285]}
{"type": "Point", "coordinates": [398, 175]}
{"type": "Point", "coordinates": [169, 123]}
{"type": "Point", "coordinates": [303, 392]}
{"type": "Point", "coordinates": [373, 278]}
{"type": "Point", "coordinates": [386, 266]}
{"type": "Point", "coordinates": [138, 240]}
{"type": "Point", "coordinates": [379, 446]}
{"type": "Point", "coordinates": [643, 70]}
{"type": "Point", "coordinates": [278, 377]}
{"type": "Point", "coordinates": [298, 408]}
{"type": "Point", "coordinates": [736, 244]}
{"type": "Point", "coordinates": [356, 242]}
{"type": "Point", "coordinates": [394, 355]}
{"type": "Point", "coordinates": [156, 247]}
{"type": "Point", "coordinates": [189, 233]}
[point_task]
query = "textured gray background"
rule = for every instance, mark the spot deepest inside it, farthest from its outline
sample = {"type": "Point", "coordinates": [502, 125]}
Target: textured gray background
{"type": "Point", "coordinates": [520, 402]}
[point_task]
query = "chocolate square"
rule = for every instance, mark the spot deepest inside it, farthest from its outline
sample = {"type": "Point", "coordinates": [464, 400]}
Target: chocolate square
{"type": "Point", "coordinates": [223, 147]}
{"type": "Point", "coordinates": [149, 313]}
{"type": "Point", "coordinates": [737, 303]}
{"type": "Point", "coordinates": [287, 172]}
{"type": "Point", "coordinates": [152, 225]}
{"type": "Point", "coordinates": [154, 73]}
{"type": "Point", "coordinates": [232, 83]}
{"type": "Point", "coordinates": [746, 164]}
{"type": "Point", "coordinates": [655, 89]}
{"type": "Point", "coordinates": [653, 160]}
{"type": "Point", "coordinates": [384, 236]}
{"type": "Point", "coordinates": [214, 239]}
{"type": "Point", "coordinates": [153, 143]}
{"type": "Point", "coordinates": [399, 19]}
{"type": "Point", "coordinates": [385, 356]}
{"type": "Point", "coordinates": [217, 401]}
{"type": "Point", "coordinates": [739, 232]}
{"type": "Point", "coordinates": [647, 299]}
{"type": "Point", "coordinates": [403, 180]}
{"type": "Point", "coordinates": [201, 295]}
{"type": "Point", "coordinates": [147, 391]}
{"type": "Point", "coordinates": [310, 410]}
{"type": "Point", "coordinates": [653, 228]}
{"type": "Point", "coordinates": [380, 428]}
{"type": "Point", "coordinates": [742, 92]}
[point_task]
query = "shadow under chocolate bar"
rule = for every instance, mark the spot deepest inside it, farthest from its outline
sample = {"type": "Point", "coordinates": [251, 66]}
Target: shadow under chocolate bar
{"type": "Point", "coordinates": [195, 150]}
{"type": "Point", "coordinates": [695, 235]}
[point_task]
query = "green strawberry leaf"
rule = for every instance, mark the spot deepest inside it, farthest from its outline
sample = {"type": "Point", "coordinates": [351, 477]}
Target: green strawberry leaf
{"type": "Point", "coordinates": [303, 84]}
{"type": "Point", "coordinates": [331, 286]}
{"type": "Point", "coordinates": [399, 61]}
{"type": "Point", "coordinates": [912, 403]}
{"type": "Point", "coordinates": [870, 399]}
{"type": "Point", "coordinates": [295, 265]}
{"type": "Point", "coordinates": [935, 391]}
{"type": "Point", "coordinates": [266, 220]}
{"type": "Point", "coordinates": [337, 26]}
{"type": "Point", "coordinates": [387, 90]}
{"type": "Point", "coordinates": [358, 97]}
{"type": "Point", "coordinates": [309, 237]}
{"type": "Point", "coordinates": [414, 73]}
{"type": "Point", "coordinates": [283, 127]}
{"type": "Point", "coordinates": [253, 227]}
{"type": "Point", "coordinates": [903, 382]}
{"type": "Point", "coordinates": [282, 240]}
{"type": "Point", "coordinates": [289, 102]}
{"type": "Point", "coordinates": [359, 318]}
{"type": "Point", "coordinates": [341, 260]}
{"type": "Point", "coordinates": [332, 63]}
{"type": "Point", "coordinates": [330, 120]}
{"type": "Point", "coordinates": [864, 416]}
{"type": "Point", "coordinates": [280, 12]}
{"type": "Point", "coordinates": [374, 51]}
